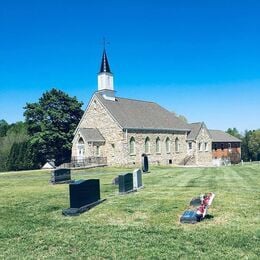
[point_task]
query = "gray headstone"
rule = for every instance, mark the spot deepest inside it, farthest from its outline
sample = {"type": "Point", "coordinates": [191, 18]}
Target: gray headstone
{"type": "Point", "coordinates": [137, 179]}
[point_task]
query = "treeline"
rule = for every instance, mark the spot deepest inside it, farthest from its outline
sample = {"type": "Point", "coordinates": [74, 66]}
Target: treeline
{"type": "Point", "coordinates": [250, 146]}
{"type": "Point", "coordinates": [45, 135]}
{"type": "Point", "coordinates": [10, 135]}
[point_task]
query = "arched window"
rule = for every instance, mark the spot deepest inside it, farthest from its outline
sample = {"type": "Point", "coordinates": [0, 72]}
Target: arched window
{"type": "Point", "coordinates": [177, 144]}
{"type": "Point", "coordinates": [168, 145]}
{"type": "Point", "coordinates": [147, 145]}
{"type": "Point", "coordinates": [132, 145]}
{"type": "Point", "coordinates": [81, 148]}
{"type": "Point", "coordinates": [158, 145]}
{"type": "Point", "coordinates": [80, 141]}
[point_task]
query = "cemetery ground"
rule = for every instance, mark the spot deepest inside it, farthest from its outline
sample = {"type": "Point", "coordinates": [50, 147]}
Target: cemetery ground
{"type": "Point", "coordinates": [140, 225]}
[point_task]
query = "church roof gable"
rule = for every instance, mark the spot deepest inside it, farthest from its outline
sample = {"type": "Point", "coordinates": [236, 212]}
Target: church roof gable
{"type": "Point", "coordinates": [91, 135]}
{"type": "Point", "coordinates": [137, 114]}
{"type": "Point", "coordinates": [195, 129]}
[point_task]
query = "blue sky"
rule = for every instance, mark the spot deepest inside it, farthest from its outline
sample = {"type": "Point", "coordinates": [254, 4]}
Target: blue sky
{"type": "Point", "coordinates": [198, 58]}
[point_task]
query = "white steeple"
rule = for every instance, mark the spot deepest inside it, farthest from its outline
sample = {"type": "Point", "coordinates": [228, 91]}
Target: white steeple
{"type": "Point", "coordinates": [106, 79]}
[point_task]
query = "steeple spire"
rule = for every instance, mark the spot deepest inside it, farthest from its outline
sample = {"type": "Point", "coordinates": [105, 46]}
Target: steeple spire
{"type": "Point", "coordinates": [106, 79]}
{"type": "Point", "coordinates": [104, 63]}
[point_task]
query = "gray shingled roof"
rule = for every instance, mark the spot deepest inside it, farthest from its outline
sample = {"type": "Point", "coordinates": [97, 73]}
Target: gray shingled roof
{"type": "Point", "coordinates": [195, 128]}
{"type": "Point", "coordinates": [136, 114]}
{"type": "Point", "coordinates": [91, 135]}
{"type": "Point", "coordinates": [220, 136]}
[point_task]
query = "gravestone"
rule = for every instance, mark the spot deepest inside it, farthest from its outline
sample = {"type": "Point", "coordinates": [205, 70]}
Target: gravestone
{"type": "Point", "coordinates": [115, 181]}
{"type": "Point", "coordinates": [84, 194]}
{"type": "Point", "coordinates": [195, 202]}
{"type": "Point", "coordinates": [137, 179]}
{"type": "Point", "coordinates": [125, 182]}
{"type": "Point", "coordinates": [189, 216]}
{"type": "Point", "coordinates": [60, 176]}
{"type": "Point", "coordinates": [198, 208]}
{"type": "Point", "coordinates": [145, 163]}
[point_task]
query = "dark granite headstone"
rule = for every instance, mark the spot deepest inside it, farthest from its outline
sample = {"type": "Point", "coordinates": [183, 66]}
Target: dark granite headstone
{"type": "Point", "coordinates": [145, 163]}
{"type": "Point", "coordinates": [125, 182]}
{"type": "Point", "coordinates": [60, 176]}
{"type": "Point", "coordinates": [137, 179]}
{"type": "Point", "coordinates": [84, 194]}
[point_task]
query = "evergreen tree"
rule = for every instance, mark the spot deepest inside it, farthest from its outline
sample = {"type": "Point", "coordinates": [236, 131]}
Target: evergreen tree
{"type": "Point", "coordinates": [51, 124]}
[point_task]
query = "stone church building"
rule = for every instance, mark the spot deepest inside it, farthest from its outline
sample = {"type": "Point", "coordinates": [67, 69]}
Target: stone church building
{"type": "Point", "coordinates": [121, 130]}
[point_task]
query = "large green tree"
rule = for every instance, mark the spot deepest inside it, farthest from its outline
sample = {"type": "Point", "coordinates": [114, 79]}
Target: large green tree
{"type": "Point", "coordinates": [51, 123]}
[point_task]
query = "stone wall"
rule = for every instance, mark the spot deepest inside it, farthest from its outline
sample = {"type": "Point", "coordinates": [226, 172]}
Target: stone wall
{"type": "Point", "coordinates": [160, 158]}
{"type": "Point", "coordinates": [203, 156]}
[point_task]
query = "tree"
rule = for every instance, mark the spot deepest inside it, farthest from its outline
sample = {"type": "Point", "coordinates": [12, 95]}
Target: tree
{"type": "Point", "coordinates": [183, 118]}
{"type": "Point", "coordinates": [234, 132]}
{"type": "Point", "coordinates": [3, 127]}
{"type": "Point", "coordinates": [51, 124]}
{"type": "Point", "coordinates": [254, 145]}
{"type": "Point", "coordinates": [16, 133]}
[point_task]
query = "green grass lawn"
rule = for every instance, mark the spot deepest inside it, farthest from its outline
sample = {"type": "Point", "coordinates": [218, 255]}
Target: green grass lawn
{"type": "Point", "coordinates": [140, 225]}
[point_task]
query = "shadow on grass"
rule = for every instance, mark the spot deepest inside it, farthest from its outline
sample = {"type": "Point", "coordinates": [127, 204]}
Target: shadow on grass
{"type": "Point", "coordinates": [207, 217]}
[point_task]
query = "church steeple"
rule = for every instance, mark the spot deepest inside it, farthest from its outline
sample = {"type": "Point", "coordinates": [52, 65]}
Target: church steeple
{"type": "Point", "coordinates": [106, 79]}
{"type": "Point", "coordinates": [104, 63]}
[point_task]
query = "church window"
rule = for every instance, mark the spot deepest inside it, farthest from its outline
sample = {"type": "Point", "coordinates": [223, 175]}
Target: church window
{"type": "Point", "coordinates": [113, 149]}
{"type": "Point", "coordinates": [158, 145]}
{"type": "Point", "coordinates": [95, 104]}
{"type": "Point", "coordinates": [206, 146]}
{"type": "Point", "coordinates": [80, 141]}
{"type": "Point", "coordinates": [190, 145]}
{"type": "Point", "coordinates": [147, 145]}
{"type": "Point", "coordinates": [168, 145]}
{"type": "Point", "coordinates": [132, 145]}
{"type": "Point", "coordinates": [97, 150]}
{"type": "Point", "coordinates": [200, 146]}
{"type": "Point", "coordinates": [177, 148]}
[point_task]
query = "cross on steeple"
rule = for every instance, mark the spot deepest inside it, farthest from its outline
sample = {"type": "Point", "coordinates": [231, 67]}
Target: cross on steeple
{"type": "Point", "coordinates": [105, 42]}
